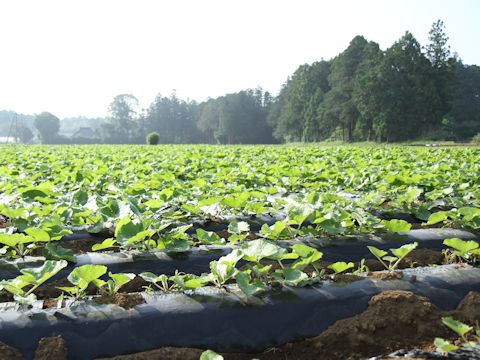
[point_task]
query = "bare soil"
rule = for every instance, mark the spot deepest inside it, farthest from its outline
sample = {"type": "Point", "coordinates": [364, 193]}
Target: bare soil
{"type": "Point", "coordinates": [126, 301]}
{"type": "Point", "coordinates": [3, 221]}
{"type": "Point", "coordinates": [80, 246]}
{"type": "Point", "coordinates": [9, 353]}
{"type": "Point", "coordinates": [51, 348]}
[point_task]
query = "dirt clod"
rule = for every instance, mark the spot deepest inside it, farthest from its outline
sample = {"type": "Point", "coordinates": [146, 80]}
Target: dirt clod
{"type": "Point", "coordinates": [51, 348]}
{"type": "Point", "coordinates": [9, 353]}
{"type": "Point", "coordinates": [469, 308]}
{"type": "Point", "coordinates": [166, 353]}
{"type": "Point", "coordinates": [386, 275]}
{"type": "Point", "coordinates": [126, 301]}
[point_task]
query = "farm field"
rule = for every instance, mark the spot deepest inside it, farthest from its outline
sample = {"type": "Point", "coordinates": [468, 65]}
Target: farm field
{"type": "Point", "coordinates": [246, 247]}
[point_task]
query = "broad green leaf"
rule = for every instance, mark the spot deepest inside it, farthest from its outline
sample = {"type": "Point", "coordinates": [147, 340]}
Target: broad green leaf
{"type": "Point", "coordinates": [139, 237]}
{"type": "Point", "coordinates": [14, 240]}
{"type": "Point", "coordinates": [54, 251]}
{"type": "Point", "coordinates": [437, 217]}
{"type": "Point", "coordinates": [396, 226]}
{"type": "Point", "coordinates": [443, 346]}
{"type": "Point", "coordinates": [378, 253]}
{"type": "Point", "coordinates": [403, 250]}
{"type": "Point", "coordinates": [208, 237]}
{"type": "Point", "coordinates": [294, 276]}
{"type": "Point", "coordinates": [461, 245]}
{"type": "Point", "coordinates": [37, 276]}
{"type": "Point", "coordinates": [247, 287]}
{"type": "Point", "coordinates": [120, 279]}
{"type": "Point", "coordinates": [306, 251]}
{"type": "Point", "coordinates": [238, 227]}
{"type": "Point", "coordinates": [38, 234]}
{"type": "Point", "coordinates": [105, 244]}
{"type": "Point", "coordinates": [341, 266]}
{"type": "Point", "coordinates": [256, 250]}
{"type": "Point", "coordinates": [83, 275]}
{"type": "Point", "coordinates": [127, 228]}
{"type": "Point", "coordinates": [153, 278]}
{"type": "Point", "coordinates": [469, 212]}
{"type": "Point", "coordinates": [155, 203]}
{"type": "Point", "coordinates": [460, 328]}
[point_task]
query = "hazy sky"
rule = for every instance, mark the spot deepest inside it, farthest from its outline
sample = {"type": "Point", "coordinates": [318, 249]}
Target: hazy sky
{"type": "Point", "coordinates": [72, 57]}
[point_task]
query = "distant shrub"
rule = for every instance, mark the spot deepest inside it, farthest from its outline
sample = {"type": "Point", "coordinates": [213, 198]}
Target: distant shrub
{"type": "Point", "coordinates": [476, 139]}
{"type": "Point", "coordinates": [153, 138]}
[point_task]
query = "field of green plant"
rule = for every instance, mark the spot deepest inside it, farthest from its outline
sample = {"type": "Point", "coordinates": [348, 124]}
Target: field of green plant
{"type": "Point", "coordinates": [337, 189]}
{"type": "Point", "coordinates": [177, 199]}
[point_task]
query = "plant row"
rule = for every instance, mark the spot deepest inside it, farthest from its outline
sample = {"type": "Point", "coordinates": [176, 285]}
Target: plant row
{"type": "Point", "coordinates": [268, 266]}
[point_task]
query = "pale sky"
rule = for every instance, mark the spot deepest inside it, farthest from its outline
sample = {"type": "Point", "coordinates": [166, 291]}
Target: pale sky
{"type": "Point", "coordinates": [72, 57]}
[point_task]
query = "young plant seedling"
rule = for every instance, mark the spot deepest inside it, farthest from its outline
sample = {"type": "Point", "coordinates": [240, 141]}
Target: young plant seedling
{"type": "Point", "coordinates": [307, 256]}
{"type": "Point", "coordinates": [443, 346]}
{"type": "Point", "coordinates": [460, 328]}
{"type": "Point", "coordinates": [116, 281]}
{"type": "Point", "coordinates": [159, 281]}
{"type": "Point", "coordinates": [208, 237]}
{"type": "Point", "coordinates": [187, 281]}
{"type": "Point", "coordinates": [466, 250]}
{"type": "Point", "coordinates": [362, 268]}
{"type": "Point", "coordinates": [238, 231]}
{"type": "Point", "coordinates": [33, 277]}
{"type": "Point", "coordinates": [17, 244]}
{"type": "Point", "coordinates": [341, 266]}
{"type": "Point", "coordinates": [224, 268]}
{"type": "Point", "coordinates": [81, 277]}
{"type": "Point", "coordinates": [249, 287]}
{"type": "Point", "coordinates": [393, 261]}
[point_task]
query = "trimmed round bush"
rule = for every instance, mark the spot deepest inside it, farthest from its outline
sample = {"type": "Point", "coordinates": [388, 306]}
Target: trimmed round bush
{"type": "Point", "coordinates": [153, 138]}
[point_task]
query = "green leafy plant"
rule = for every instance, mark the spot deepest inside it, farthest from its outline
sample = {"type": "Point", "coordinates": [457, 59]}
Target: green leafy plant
{"type": "Point", "coordinates": [391, 262]}
{"type": "Point", "coordinates": [116, 281]}
{"type": "Point", "coordinates": [396, 226]}
{"type": "Point", "coordinates": [31, 278]}
{"type": "Point", "coordinates": [460, 328]}
{"type": "Point", "coordinates": [466, 250]}
{"type": "Point", "coordinates": [238, 231]}
{"type": "Point", "coordinates": [210, 355]}
{"type": "Point", "coordinates": [224, 268]}
{"type": "Point", "coordinates": [341, 266]}
{"type": "Point", "coordinates": [443, 346]}
{"type": "Point", "coordinates": [17, 244]}
{"type": "Point", "coordinates": [307, 256]}
{"type": "Point", "coordinates": [159, 281]}
{"type": "Point", "coordinates": [81, 277]}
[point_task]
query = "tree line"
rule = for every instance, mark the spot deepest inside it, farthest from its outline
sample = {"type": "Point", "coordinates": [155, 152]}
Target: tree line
{"type": "Point", "coordinates": [408, 91]}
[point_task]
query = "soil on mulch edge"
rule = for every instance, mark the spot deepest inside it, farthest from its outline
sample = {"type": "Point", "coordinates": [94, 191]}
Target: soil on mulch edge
{"type": "Point", "coordinates": [393, 320]}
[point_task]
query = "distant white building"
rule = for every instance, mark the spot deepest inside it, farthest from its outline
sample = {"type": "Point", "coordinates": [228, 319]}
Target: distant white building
{"type": "Point", "coordinates": [6, 139]}
{"type": "Point", "coordinates": [85, 132]}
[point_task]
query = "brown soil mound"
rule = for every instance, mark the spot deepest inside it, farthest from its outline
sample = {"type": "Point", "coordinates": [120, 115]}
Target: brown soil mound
{"type": "Point", "coordinates": [469, 308]}
{"type": "Point", "coordinates": [393, 320]}
{"type": "Point", "coordinates": [51, 348]}
{"type": "Point", "coordinates": [9, 353]}
{"type": "Point", "coordinates": [166, 353]}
